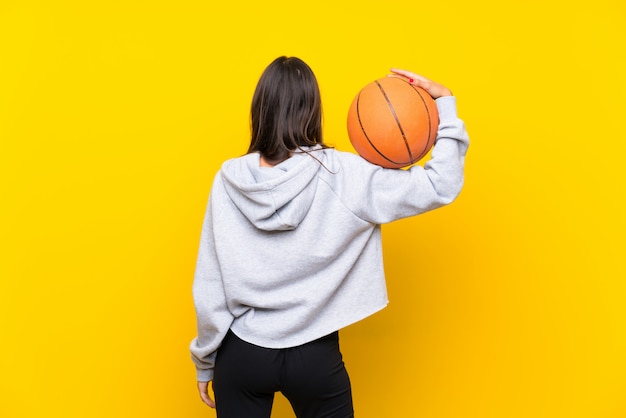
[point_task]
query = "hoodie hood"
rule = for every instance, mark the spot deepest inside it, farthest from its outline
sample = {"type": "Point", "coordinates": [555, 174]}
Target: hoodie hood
{"type": "Point", "coordinates": [273, 198]}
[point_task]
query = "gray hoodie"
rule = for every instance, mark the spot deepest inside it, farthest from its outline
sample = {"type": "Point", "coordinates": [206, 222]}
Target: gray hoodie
{"type": "Point", "coordinates": [293, 252]}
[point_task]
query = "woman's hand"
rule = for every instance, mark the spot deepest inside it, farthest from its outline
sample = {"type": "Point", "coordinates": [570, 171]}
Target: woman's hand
{"type": "Point", "coordinates": [436, 90]}
{"type": "Point", "coordinates": [203, 388]}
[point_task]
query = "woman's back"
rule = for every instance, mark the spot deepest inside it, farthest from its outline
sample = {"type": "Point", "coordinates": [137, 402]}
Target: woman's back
{"type": "Point", "coordinates": [297, 246]}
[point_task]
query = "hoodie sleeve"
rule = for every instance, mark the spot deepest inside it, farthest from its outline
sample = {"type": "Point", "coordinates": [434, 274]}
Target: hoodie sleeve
{"type": "Point", "coordinates": [213, 317]}
{"type": "Point", "coordinates": [394, 194]}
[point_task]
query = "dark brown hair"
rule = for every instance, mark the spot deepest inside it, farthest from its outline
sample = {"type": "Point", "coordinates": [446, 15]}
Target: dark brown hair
{"type": "Point", "coordinates": [286, 111]}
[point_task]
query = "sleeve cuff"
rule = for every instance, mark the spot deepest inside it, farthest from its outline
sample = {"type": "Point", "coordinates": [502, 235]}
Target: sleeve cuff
{"type": "Point", "coordinates": [446, 106]}
{"type": "Point", "coordinates": [204, 375]}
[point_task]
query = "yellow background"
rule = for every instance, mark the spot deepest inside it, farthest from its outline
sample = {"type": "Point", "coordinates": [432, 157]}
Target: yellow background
{"type": "Point", "coordinates": [115, 115]}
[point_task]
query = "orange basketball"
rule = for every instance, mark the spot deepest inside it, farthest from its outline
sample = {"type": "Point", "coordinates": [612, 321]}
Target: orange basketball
{"type": "Point", "coordinates": [392, 123]}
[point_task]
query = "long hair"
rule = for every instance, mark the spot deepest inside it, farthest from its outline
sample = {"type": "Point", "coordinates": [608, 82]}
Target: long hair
{"type": "Point", "coordinates": [286, 111]}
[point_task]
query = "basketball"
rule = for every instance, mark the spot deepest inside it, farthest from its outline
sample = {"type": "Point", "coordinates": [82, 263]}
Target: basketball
{"type": "Point", "coordinates": [392, 123]}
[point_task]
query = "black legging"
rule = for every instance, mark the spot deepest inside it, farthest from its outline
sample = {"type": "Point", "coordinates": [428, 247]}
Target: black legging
{"type": "Point", "coordinates": [311, 376]}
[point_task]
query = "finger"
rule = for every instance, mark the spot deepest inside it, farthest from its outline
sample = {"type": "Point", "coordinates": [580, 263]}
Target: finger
{"type": "Point", "coordinates": [415, 80]}
{"type": "Point", "coordinates": [207, 400]}
{"type": "Point", "coordinates": [435, 90]}
{"type": "Point", "coordinates": [412, 78]}
{"type": "Point", "coordinates": [203, 388]}
{"type": "Point", "coordinates": [409, 74]}
{"type": "Point", "coordinates": [403, 73]}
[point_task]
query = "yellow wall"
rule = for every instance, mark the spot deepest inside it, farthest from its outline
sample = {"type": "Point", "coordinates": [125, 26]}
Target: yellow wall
{"type": "Point", "coordinates": [115, 115]}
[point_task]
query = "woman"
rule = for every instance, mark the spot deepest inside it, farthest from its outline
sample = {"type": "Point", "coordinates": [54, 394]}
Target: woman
{"type": "Point", "coordinates": [291, 249]}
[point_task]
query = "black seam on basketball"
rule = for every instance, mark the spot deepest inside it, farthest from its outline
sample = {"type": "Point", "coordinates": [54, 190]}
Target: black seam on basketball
{"type": "Point", "coordinates": [426, 146]}
{"type": "Point", "coordinates": [395, 116]}
{"type": "Point", "coordinates": [358, 114]}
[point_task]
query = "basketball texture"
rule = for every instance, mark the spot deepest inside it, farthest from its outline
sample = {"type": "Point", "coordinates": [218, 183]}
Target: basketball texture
{"type": "Point", "coordinates": [392, 123]}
